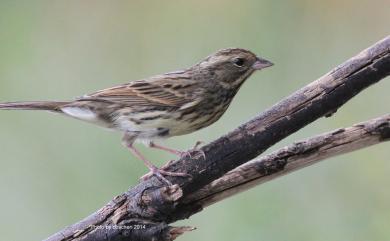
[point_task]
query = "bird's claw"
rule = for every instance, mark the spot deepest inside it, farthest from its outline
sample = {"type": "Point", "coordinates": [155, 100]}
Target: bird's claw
{"type": "Point", "coordinates": [160, 173]}
{"type": "Point", "coordinates": [196, 149]}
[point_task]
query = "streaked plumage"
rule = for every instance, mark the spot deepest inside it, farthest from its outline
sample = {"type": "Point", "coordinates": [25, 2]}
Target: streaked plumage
{"type": "Point", "coordinates": [162, 106]}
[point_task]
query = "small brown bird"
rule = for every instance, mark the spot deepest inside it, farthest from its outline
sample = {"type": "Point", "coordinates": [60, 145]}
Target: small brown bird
{"type": "Point", "coordinates": [162, 106]}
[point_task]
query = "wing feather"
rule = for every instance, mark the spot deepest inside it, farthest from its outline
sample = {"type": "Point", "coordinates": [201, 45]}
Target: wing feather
{"type": "Point", "coordinates": [166, 90]}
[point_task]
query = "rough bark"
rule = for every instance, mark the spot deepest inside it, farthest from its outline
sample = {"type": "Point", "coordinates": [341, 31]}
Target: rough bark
{"type": "Point", "coordinates": [146, 209]}
{"type": "Point", "coordinates": [291, 158]}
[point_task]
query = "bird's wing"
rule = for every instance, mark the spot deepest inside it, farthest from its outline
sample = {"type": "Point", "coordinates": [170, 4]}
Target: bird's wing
{"type": "Point", "coordinates": [164, 90]}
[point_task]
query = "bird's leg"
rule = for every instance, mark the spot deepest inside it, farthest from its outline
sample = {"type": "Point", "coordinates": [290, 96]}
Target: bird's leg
{"type": "Point", "coordinates": [167, 149]}
{"type": "Point", "coordinates": [180, 153]}
{"type": "Point", "coordinates": [153, 169]}
{"type": "Point", "coordinates": [128, 142]}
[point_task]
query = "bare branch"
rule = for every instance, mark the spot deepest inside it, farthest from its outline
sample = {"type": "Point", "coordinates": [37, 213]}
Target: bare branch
{"type": "Point", "coordinates": [152, 206]}
{"type": "Point", "coordinates": [293, 157]}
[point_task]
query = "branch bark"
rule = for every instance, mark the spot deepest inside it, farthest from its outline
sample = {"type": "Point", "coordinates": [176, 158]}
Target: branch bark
{"type": "Point", "coordinates": [144, 211]}
{"type": "Point", "coordinates": [293, 157]}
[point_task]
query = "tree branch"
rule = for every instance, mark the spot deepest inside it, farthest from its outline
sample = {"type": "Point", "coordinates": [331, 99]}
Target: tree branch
{"type": "Point", "coordinates": [142, 213]}
{"type": "Point", "coordinates": [293, 157]}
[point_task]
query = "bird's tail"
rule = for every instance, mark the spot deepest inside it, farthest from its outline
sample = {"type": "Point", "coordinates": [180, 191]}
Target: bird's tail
{"type": "Point", "coordinates": [54, 106]}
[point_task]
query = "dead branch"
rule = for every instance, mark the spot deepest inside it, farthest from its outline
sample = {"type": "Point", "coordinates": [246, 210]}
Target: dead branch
{"type": "Point", "coordinates": [293, 157]}
{"type": "Point", "coordinates": [144, 211]}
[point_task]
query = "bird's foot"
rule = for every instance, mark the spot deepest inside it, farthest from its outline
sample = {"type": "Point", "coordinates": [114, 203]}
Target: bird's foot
{"type": "Point", "coordinates": [193, 152]}
{"type": "Point", "coordinates": [160, 173]}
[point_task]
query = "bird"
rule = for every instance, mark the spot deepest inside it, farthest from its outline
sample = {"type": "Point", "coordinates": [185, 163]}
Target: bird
{"type": "Point", "coordinates": [162, 106]}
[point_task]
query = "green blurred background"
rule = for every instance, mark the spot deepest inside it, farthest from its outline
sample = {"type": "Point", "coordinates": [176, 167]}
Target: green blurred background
{"type": "Point", "coordinates": [55, 171]}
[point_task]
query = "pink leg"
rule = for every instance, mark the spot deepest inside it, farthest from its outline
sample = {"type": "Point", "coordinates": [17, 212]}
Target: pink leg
{"type": "Point", "coordinates": [153, 169]}
{"type": "Point", "coordinates": [179, 153]}
{"type": "Point", "coordinates": [167, 149]}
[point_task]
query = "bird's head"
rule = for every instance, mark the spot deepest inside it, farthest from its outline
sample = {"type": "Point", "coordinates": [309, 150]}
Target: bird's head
{"type": "Point", "coordinates": [231, 67]}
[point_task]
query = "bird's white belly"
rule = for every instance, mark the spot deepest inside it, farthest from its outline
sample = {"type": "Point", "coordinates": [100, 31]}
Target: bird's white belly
{"type": "Point", "coordinates": [151, 129]}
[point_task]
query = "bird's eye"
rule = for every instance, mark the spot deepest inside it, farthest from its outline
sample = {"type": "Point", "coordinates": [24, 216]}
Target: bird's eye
{"type": "Point", "coordinates": [239, 62]}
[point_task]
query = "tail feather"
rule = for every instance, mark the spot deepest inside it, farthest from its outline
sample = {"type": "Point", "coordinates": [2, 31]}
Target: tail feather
{"type": "Point", "coordinates": [33, 105]}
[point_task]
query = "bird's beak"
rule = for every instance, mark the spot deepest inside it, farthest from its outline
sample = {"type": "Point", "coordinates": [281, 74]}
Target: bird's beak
{"type": "Point", "coordinates": [261, 64]}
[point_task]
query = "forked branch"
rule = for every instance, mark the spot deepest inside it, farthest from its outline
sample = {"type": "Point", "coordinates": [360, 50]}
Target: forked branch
{"type": "Point", "coordinates": [144, 211]}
